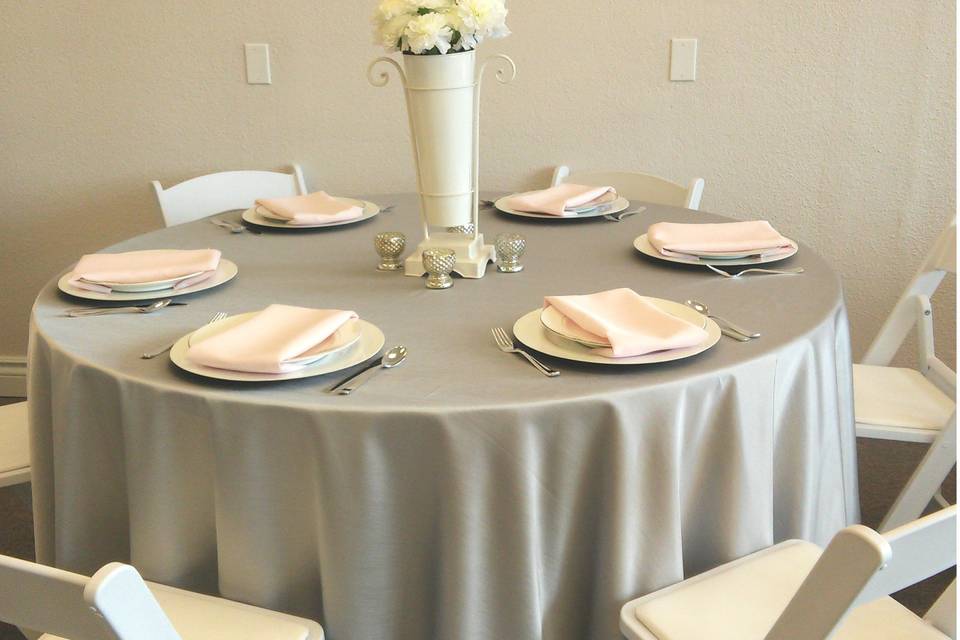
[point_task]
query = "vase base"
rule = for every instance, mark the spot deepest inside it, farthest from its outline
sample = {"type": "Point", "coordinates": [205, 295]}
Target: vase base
{"type": "Point", "coordinates": [472, 255]}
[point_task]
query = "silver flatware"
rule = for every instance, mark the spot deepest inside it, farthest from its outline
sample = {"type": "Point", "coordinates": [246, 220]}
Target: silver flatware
{"type": "Point", "coordinates": [701, 308]}
{"type": "Point", "coordinates": [391, 359]}
{"type": "Point", "coordinates": [233, 228]}
{"type": "Point", "coordinates": [619, 217]}
{"type": "Point", "coordinates": [103, 311]}
{"type": "Point", "coordinates": [153, 354]}
{"type": "Point", "coordinates": [734, 276]}
{"type": "Point", "coordinates": [173, 303]}
{"type": "Point", "coordinates": [388, 208]}
{"type": "Point", "coordinates": [487, 203]}
{"type": "Point", "coordinates": [505, 344]}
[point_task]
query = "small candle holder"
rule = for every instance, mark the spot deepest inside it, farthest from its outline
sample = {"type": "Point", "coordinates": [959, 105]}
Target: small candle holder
{"type": "Point", "coordinates": [510, 246]}
{"type": "Point", "coordinates": [439, 263]}
{"type": "Point", "coordinates": [389, 246]}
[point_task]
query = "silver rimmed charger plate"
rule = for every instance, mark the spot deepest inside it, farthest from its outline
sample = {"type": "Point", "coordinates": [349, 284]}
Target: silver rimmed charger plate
{"type": "Point", "coordinates": [254, 216]}
{"type": "Point", "coordinates": [531, 332]}
{"type": "Point", "coordinates": [618, 205]}
{"type": "Point", "coordinates": [368, 345]}
{"type": "Point", "coordinates": [642, 244]}
{"type": "Point", "coordinates": [225, 272]}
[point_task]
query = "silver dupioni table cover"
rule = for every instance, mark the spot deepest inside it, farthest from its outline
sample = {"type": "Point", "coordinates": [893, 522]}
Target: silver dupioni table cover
{"type": "Point", "coordinates": [463, 494]}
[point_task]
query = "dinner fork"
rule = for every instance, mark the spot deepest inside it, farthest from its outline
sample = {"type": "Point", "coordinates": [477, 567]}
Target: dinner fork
{"type": "Point", "coordinates": [505, 344]}
{"type": "Point", "coordinates": [153, 354]}
{"type": "Point", "coordinates": [620, 217]}
{"type": "Point", "coordinates": [734, 276]}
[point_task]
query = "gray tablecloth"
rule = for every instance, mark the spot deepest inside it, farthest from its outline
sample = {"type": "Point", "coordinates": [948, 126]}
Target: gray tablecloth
{"type": "Point", "coordinates": [462, 495]}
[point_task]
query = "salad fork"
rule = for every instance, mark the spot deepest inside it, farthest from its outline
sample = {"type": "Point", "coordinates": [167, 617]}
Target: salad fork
{"type": "Point", "coordinates": [505, 344]}
{"type": "Point", "coordinates": [734, 276]}
{"type": "Point", "coordinates": [153, 354]}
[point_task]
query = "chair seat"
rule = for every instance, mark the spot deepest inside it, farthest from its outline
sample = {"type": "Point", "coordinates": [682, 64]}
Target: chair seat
{"type": "Point", "coordinates": [200, 617]}
{"type": "Point", "coordinates": [14, 441]}
{"type": "Point", "coordinates": [896, 397]}
{"type": "Point", "coordinates": [741, 600]}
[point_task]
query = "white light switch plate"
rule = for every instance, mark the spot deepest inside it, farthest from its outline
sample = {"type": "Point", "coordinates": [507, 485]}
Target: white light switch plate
{"type": "Point", "coordinates": [683, 59]}
{"type": "Point", "coordinates": [258, 63]}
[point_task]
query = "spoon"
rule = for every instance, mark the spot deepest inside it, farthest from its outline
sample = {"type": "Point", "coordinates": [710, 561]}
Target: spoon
{"type": "Point", "coordinates": [391, 359]}
{"type": "Point", "coordinates": [620, 217]}
{"type": "Point", "coordinates": [699, 307]}
{"type": "Point", "coordinates": [150, 308]}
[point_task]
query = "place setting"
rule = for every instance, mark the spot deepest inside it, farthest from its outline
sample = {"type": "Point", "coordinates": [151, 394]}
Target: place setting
{"type": "Point", "coordinates": [318, 210]}
{"type": "Point", "coordinates": [154, 277]}
{"type": "Point", "coordinates": [566, 202]}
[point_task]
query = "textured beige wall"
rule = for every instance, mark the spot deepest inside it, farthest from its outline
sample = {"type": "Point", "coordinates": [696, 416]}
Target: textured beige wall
{"type": "Point", "coordinates": [835, 120]}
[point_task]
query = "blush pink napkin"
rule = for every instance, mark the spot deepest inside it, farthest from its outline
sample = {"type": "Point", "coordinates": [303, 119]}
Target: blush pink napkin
{"type": "Point", "coordinates": [674, 239]}
{"type": "Point", "coordinates": [556, 200]}
{"type": "Point", "coordinates": [265, 342]}
{"type": "Point", "coordinates": [311, 209]}
{"type": "Point", "coordinates": [135, 267]}
{"type": "Point", "coordinates": [632, 325]}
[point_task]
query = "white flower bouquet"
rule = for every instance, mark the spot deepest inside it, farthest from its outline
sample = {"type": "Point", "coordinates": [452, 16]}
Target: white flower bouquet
{"type": "Point", "coordinates": [436, 27]}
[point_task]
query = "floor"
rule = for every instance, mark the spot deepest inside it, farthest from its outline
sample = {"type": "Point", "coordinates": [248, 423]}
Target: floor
{"type": "Point", "coordinates": [884, 468]}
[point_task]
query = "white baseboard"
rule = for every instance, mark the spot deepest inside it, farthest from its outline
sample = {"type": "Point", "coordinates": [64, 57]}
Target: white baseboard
{"type": "Point", "coordinates": [13, 377]}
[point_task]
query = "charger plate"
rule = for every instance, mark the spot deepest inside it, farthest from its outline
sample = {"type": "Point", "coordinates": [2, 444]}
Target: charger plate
{"type": "Point", "coordinates": [368, 343]}
{"type": "Point", "coordinates": [553, 320]}
{"type": "Point", "coordinates": [642, 244]}
{"type": "Point", "coordinates": [531, 332]}
{"type": "Point", "coordinates": [618, 205]}
{"type": "Point", "coordinates": [225, 272]}
{"type": "Point", "coordinates": [259, 216]}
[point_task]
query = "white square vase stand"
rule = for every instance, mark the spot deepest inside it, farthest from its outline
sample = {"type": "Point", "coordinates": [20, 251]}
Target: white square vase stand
{"type": "Point", "coordinates": [443, 106]}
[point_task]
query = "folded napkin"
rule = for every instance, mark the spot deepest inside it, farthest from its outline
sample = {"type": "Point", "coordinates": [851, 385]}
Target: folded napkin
{"type": "Point", "coordinates": [673, 239]}
{"type": "Point", "coordinates": [632, 325]}
{"type": "Point", "coordinates": [267, 341]}
{"type": "Point", "coordinates": [311, 209]}
{"type": "Point", "coordinates": [558, 200]}
{"type": "Point", "coordinates": [135, 267]}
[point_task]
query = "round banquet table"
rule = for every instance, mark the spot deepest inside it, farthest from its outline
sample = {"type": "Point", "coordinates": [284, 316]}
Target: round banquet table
{"type": "Point", "coordinates": [463, 494]}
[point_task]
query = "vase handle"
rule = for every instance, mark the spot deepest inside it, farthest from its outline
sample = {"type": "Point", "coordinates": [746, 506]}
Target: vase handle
{"type": "Point", "coordinates": [504, 64]}
{"type": "Point", "coordinates": [383, 78]}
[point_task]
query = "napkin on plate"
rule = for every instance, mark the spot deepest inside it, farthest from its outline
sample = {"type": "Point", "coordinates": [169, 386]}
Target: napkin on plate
{"type": "Point", "coordinates": [311, 209]}
{"type": "Point", "coordinates": [674, 239]}
{"type": "Point", "coordinates": [265, 342]}
{"type": "Point", "coordinates": [631, 325]}
{"type": "Point", "coordinates": [135, 267]}
{"type": "Point", "coordinates": [561, 200]}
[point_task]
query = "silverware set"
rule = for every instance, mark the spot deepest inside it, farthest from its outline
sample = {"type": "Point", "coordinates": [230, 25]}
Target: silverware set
{"type": "Point", "coordinates": [150, 355]}
{"type": "Point", "coordinates": [505, 344]}
{"type": "Point", "coordinates": [104, 311]}
{"type": "Point", "coordinates": [734, 276]}
{"type": "Point", "coordinates": [727, 327]}
{"type": "Point", "coordinates": [392, 358]}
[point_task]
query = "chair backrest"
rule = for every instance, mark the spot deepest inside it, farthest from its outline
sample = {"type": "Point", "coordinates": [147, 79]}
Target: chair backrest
{"type": "Point", "coordinates": [914, 305]}
{"type": "Point", "coordinates": [41, 598]}
{"type": "Point", "coordinates": [860, 565]}
{"type": "Point", "coordinates": [218, 192]}
{"type": "Point", "coordinates": [637, 186]}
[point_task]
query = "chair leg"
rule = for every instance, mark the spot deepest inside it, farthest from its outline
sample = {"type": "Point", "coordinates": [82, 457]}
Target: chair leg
{"type": "Point", "coordinates": [926, 479]}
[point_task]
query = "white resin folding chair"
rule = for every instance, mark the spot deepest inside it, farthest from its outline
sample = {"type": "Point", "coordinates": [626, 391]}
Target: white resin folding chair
{"type": "Point", "coordinates": [793, 591]}
{"type": "Point", "coordinates": [117, 604]}
{"type": "Point", "coordinates": [912, 405]}
{"type": "Point", "coordinates": [637, 186]}
{"type": "Point", "coordinates": [226, 191]}
{"type": "Point", "coordinates": [14, 445]}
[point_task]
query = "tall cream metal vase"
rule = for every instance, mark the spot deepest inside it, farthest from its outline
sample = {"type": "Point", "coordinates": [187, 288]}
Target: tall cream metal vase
{"type": "Point", "coordinates": [443, 106]}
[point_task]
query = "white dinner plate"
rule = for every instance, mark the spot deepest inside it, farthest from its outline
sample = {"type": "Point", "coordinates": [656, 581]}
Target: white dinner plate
{"type": "Point", "coordinates": [553, 320]}
{"type": "Point", "coordinates": [225, 272]}
{"type": "Point", "coordinates": [642, 244]}
{"type": "Point", "coordinates": [618, 205]}
{"type": "Point", "coordinates": [140, 287]}
{"type": "Point", "coordinates": [531, 332]}
{"type": "Point", "coordinates": [369, 342]}
{"type": "Point", "coordinates": [259, 216]}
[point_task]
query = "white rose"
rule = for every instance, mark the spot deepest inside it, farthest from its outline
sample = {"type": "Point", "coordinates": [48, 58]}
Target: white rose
{"type": "Point", "coordinates": [428, 31]}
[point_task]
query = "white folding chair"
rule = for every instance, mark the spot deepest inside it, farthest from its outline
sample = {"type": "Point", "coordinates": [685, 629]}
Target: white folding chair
{"type": "Point", "coordinates": [793, 591]}
{"type": "Point", "coordinates": [14, 444]}
{"type": "Point", "coordinates": [218, 192]}
{"type": "Point", "coordinates": [116, 604]}
{"type": "Point", "coordinates": [637, 186]}
{"type": "Point", "coordinates": [912, 405]}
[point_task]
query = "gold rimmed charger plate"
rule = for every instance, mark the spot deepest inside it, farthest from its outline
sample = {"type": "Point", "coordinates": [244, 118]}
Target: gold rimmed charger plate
{"type": "Point", "coordinates": [368, 343]}
{"type": "Point", "coordinates": [257, 215]}
{"type": "Point", "coordinates": [642, 244]}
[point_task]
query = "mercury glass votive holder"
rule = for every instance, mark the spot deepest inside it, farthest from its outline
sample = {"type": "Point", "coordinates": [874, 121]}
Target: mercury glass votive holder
{"type": "Point", "coordinates": [465, 229]}
{"type": "Point", "coordinates": [439, 263]}
{"type": "Point", "coordinates": [510, 246]}
{"type": "Point", "coordinates": [389, 246]}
